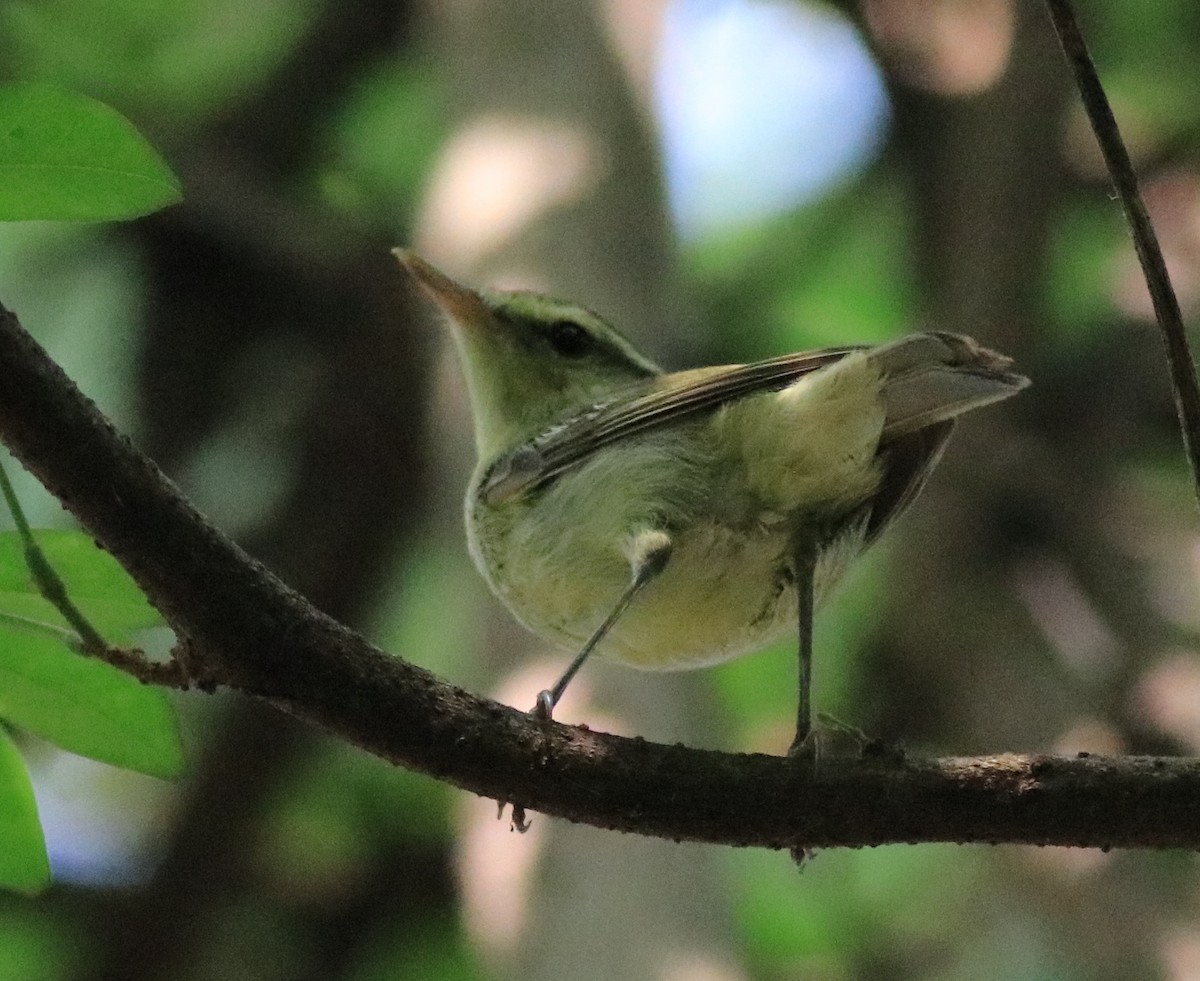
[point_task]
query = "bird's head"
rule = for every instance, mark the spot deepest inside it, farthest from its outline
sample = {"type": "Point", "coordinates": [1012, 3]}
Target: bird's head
{"type": "Point", "coordinates": [529, 359]}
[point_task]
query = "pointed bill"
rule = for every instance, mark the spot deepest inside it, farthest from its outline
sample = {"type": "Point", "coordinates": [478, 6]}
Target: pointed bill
{"type": "Point", "coordinates": [462, 305]}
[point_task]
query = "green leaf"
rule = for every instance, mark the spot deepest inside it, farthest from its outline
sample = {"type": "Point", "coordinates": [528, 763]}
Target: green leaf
{"type": "Point", "coordinates": [23, 862]}
{"type": "Point", "coordinates": [76, 702]}
{"type": "Point", "coordinates": [67, 157]}
{"type": "Point", "coordinates": [96, 583]}
{"type": "Point", "coordinates": [84, 705]}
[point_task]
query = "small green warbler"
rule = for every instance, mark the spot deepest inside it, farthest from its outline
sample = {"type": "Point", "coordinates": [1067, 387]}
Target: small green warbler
{"type": "Point", "coordinates": [677, 520]}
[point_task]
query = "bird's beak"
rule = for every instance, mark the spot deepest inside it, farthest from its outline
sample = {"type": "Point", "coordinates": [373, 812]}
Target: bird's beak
{"type": "Point", "coordinates": [464, 306]}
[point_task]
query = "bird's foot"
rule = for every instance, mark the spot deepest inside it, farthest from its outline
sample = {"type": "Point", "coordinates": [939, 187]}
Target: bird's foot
{"type": "Point", "coordinates": [806, 747]}
{"type": "Point", "coordinates": [518, 822]}
{"type": "Point", "coordinates": [830, 736]}
{"type": "Point", "coordinates": [864, 745]}
{"type": "Point", "coordinates": [542, 711]}
{"type": "Point", "coordinates": [806, 751]}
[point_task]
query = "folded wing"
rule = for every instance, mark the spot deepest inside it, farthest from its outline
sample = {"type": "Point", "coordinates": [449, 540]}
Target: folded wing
{"type": "Point", "coordinates": [928, 379]}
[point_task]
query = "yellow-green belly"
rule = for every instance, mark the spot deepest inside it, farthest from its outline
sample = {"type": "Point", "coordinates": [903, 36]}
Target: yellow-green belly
{"type": "Point", "coordinates": [726, 590]}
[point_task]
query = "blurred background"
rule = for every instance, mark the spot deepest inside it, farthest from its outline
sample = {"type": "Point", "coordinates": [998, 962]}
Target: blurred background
{"type": "Point", "coordinates": [726, 180]}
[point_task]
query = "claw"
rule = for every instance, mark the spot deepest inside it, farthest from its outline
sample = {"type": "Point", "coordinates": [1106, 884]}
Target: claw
{"type": "Point", "coordinates": [519, 823]}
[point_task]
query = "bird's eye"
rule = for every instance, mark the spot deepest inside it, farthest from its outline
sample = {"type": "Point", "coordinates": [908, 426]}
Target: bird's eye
{"type": "Point", "coordinates": [569, 339]}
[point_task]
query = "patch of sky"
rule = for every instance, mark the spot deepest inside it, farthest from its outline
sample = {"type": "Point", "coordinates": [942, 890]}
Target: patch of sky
{"type": "Point", "coordinates": [763, 105]}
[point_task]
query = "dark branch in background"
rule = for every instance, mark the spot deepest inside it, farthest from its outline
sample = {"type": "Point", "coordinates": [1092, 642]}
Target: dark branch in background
{"type": "Point", "coordinates": [1145, 242]}
{"type": "Point", "coordinates": [981, 208]}
{"type": "Point", "coordinates": [251, 632]}
{"type": "Point", "coordinates": [253, 273]}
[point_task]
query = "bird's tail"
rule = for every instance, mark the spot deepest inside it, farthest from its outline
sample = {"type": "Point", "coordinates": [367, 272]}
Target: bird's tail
{"type": "Point", "coordinates": [934, 377]}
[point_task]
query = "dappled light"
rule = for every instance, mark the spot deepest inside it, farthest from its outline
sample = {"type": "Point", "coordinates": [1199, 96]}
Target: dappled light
{"type": "Point", "coordinates": [499, 175]}
{"type": "Point", "coordinates": [954, 47]}
{"type": "Point", "coordinates": [1168, 697]}
{"type": "Point", "coordinates": [1071, 623]}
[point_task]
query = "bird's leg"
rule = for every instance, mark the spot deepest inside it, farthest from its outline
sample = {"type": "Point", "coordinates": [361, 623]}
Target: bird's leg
{"type": "Point", "coordinates": [804, 560]}
{"type": "Point", "coordinates": [648, 556]}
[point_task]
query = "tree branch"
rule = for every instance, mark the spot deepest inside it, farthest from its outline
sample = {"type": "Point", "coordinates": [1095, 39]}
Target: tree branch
{"type": "Point", "coordinates": [246, 630]}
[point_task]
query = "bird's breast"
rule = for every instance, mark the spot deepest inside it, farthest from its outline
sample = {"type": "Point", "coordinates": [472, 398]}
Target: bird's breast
{"type": "Point", "coordinates": [727, 589]}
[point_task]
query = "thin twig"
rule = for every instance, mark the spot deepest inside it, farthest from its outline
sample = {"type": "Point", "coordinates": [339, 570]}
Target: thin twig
{"type": "Point", "coordinates": [133, 661]}
{"type": "Point", "coordinates": [84, 638]}
{"type": "Point", "coordinates": [46, 579]}
{"type": "Point", "coordinates": [1145, 242]}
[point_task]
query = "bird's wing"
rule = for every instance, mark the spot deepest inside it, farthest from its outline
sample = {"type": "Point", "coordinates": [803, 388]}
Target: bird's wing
{"type": "Point", "coordinates": [656, 402]}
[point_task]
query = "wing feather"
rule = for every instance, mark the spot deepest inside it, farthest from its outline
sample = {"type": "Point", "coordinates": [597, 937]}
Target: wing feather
{"type": "Point", "coordinates": [656, 402]}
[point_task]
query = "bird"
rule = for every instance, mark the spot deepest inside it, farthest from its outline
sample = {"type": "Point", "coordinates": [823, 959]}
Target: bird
{"type": "Point", "coordinates": [673, 520]}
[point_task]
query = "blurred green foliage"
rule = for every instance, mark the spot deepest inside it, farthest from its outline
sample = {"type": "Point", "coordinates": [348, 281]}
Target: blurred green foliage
{"type": "Point", "coordinates": [183, 60]}
{"type": "Point", "coordinates": [832, 270]}
{"type": "Point", "coordinates": [382, 140]}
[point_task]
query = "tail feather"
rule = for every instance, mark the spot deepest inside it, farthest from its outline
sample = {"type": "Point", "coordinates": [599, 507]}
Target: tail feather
{"type": "Point", "coordinates": [930, 378]}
